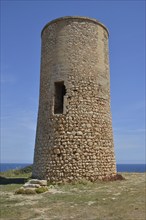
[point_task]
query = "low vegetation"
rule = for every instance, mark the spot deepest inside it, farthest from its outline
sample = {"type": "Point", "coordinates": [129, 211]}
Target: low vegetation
{"type": "Point", "coordinates": [26, 191]}
{"type": "Point", "coordinates": [31, 191]}
{"type": "Point", "coordinates": [23, 172]}
{"type": "Point", "coordinates": [114, 200]}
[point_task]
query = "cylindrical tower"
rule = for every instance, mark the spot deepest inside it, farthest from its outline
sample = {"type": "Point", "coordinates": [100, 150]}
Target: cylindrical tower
{"type": "Point", "coordinates": [74, 138]}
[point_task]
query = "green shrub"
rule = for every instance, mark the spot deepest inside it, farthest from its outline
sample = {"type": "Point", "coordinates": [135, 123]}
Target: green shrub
{"type": "Point", "coordinates": [25, 191]}
{"type": "Point", "coordinates": [27, 169]}
{"type": "Point", "coordinates": [20, 191]}
{"type": "Point", "coordinates": [29, 191]}
{"type": "Point", "coordinates": [24, 172]}
{"type": "Point", "coordinates": [41, 189]}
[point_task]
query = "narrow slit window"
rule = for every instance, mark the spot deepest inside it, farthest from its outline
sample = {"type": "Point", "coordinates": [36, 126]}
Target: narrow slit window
{"type": "Point", "coordinates": [60, 92]}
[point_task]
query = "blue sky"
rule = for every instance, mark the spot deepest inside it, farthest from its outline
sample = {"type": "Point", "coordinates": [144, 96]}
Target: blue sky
{"type": "Point", "coordinates": [21, 25]}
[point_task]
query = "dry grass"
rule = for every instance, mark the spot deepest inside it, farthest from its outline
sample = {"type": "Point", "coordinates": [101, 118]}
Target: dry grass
{"type": "Point", "coordinates": [118, 200]}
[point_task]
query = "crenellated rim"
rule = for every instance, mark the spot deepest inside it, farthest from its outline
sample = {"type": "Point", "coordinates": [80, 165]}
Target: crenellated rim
{"type": "Point", "coordinates": [75, 18]}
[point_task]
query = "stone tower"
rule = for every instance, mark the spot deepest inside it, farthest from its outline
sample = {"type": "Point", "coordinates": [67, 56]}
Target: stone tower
{"type": "Point", "coordinates": [74, 138]}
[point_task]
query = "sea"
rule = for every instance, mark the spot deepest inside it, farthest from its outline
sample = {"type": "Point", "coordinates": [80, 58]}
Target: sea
{"type": "Point", "coordinates": [138, 168]}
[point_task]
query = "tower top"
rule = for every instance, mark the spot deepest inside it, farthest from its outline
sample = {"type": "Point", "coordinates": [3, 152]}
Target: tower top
{"type": "Point", "coordinates": [75, 18]}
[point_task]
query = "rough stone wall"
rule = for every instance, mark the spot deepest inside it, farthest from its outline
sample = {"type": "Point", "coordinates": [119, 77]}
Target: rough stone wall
{"type": "Point", "coordinates": [78, 143]}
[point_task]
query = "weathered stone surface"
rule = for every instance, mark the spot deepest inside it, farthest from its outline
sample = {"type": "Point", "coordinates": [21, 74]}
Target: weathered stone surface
{"type": "Point", "coordinates": [28, 185]}
{"type": "Point", "coordinates": [33, 186]}
{"type": "Point", "coordinates": [39, 182]}
{"type": "Point", "coordinates": [78, 142]}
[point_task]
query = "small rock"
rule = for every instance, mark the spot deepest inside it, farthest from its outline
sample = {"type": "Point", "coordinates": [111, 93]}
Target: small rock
{"type": "Point", "coordinates": [28, 185]}
{"type": "Point", "coordinates": [91, 203]}
{"type": "Point", "coordinates": [79, 133]}
{"type": "Point", "coordinates": [40, 182]}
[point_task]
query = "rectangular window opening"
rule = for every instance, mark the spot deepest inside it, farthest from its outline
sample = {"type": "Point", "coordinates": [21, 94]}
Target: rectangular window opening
{"type": "Point", "coordinates": [60, 92]}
